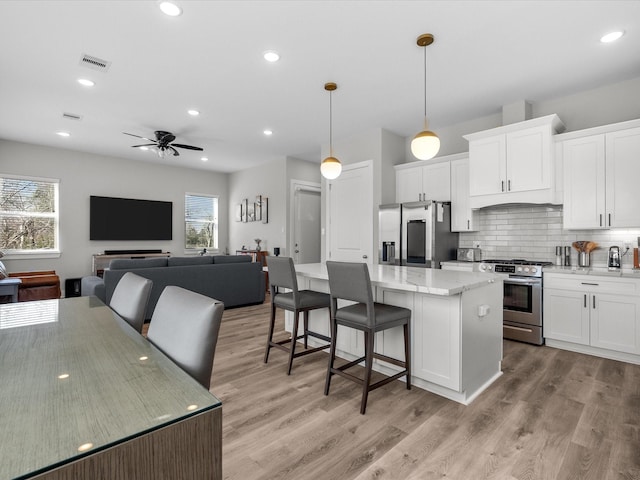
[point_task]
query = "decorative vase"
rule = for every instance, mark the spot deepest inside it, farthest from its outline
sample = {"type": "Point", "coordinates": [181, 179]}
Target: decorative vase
{"type": "Point", "coordinates": [257, 240]}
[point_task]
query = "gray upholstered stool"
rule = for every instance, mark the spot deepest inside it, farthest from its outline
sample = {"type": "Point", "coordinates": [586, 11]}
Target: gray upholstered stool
{"type": "Point", "coordinates": [351, 281]}
{"type": "Point", "coordinates": [282, 274]}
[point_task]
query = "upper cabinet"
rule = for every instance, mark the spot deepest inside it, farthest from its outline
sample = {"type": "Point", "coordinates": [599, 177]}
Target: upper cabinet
{"type": "Point", "coordinates": [513, 163]}
{"type": "Point", "coordinates": [426, 180]}
{"type": "Point", "coordinates": [463, 218]}
{"type": "Point", "coordinates": [601, 172]}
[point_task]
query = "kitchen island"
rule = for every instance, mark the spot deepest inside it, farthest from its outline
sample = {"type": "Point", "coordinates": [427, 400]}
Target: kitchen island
{"type": "Point", "coordinates": [456, 325]}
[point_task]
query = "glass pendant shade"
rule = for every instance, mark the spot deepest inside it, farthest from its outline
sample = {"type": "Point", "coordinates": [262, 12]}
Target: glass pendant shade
{"type": "Point", "coordinates": [331, 168]}
{"type": "Point", "coordinates": [425, 145]}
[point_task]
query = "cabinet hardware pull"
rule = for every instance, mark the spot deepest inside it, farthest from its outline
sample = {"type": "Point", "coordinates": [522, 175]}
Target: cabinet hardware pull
{"type": "Point", "coordinates": [594, 284]}
{"type": "Point", "coordinates": [585, 300]}
{"type": "Point", "coordinates": [364, 256]}
{"type": "Point", "coordinates": [502, 185]}
{"type": "Point", "coordinates": [594, 301]}
{"type": "Point", "coordinates": [609, 219]}
{"type": "Point", "coordinates": [508, 185]}
{"type": "Point", "coordinates": [468, 227]}
{"type": "Point", "coordinates": [600, 219]}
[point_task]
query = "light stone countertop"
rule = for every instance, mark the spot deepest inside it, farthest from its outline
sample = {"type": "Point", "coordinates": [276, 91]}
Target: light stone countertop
{"type": "Point", "coordinates": [597, 270]}
{"type": "Point", "coordinates": [412, 279]}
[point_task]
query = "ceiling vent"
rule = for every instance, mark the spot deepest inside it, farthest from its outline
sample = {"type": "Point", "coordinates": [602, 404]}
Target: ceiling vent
{"type": "Point", "coordinates": [71, 116]}
{"type": "Point", "coordinates": [95, 63]}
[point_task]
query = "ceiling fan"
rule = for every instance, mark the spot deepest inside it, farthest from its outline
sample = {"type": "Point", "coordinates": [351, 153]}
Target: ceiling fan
{"type": "Point", "coordinates": [163, 143]}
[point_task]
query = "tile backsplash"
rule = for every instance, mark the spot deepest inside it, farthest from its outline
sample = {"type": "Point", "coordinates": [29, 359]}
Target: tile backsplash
{"type": "Point", "coordinates": [533, 231]}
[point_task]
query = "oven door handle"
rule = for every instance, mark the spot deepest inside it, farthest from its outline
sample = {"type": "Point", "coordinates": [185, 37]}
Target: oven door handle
{"type": "Point", "coordinates": [523, 281]}
{"type": "Point", "coordinates": [519, 329]}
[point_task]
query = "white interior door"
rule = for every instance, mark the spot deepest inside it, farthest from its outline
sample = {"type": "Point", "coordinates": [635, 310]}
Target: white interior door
{"type": "Point", "coordinates": [350, 214]}
{"type": "Point", "coordinates": [306, 224]}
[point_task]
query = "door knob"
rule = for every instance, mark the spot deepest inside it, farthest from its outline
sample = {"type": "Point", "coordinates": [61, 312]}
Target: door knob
{"type": "Point", "coordinates": [297, 251]}
{"type": "Point", "coordinates": [364, 256]}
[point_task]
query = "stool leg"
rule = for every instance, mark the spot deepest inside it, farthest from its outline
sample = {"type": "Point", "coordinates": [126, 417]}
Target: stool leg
{"type": "Point", "coordinates": [407, 353]}
{"type": "Point", "coordinates": [272, 322]}
{"type": "Point", "coordinates": [294, 335]}
{"type": "Point", "coordinates": [368, 361]}
{"type": "Point", "coordinates": [306, 327]}
{"type": "Point", "coordinates": [332, 355]}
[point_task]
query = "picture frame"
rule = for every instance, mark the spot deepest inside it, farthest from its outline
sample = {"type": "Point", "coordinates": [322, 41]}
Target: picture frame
{"type": "Point", "coordinates": [238, 216]}
{"type": "Point", "coordinates": [258, 208]}
{"type": "Point", "coordinates": [265, 210]}
{"type": "Point", "coordinates": [245, 210]}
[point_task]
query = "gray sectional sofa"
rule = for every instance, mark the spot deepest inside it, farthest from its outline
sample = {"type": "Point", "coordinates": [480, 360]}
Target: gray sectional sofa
{"type": "Point", "coordinates": [232, 279]}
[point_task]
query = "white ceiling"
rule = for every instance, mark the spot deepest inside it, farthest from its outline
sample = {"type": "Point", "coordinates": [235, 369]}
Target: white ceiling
{"type": "Point", "coordinates": [486, 54]}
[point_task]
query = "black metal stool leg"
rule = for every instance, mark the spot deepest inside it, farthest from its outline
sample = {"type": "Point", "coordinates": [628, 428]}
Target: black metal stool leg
{"type": "Point", "coordinates": [294, 335]}
{"type": "Point", "coordinates": [332, 355]}
{"type": "Point", "coordinates": [272, 322]}
{"type": "Point", "coordinates": [368, 363]}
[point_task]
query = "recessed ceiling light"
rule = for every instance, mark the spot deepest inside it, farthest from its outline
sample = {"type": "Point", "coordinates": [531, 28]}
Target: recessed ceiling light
{"type": "Point", "coordinates": [271, 56]}
{"type": "Point", "coordinates": [170, 8]}
{"type": "Point", "coordinates": [63, 134]}
{"type": "Point", "coordinates": [86, 82]}
{"type": "Point", "coordinates": [144, 148]}
{"type": "Point", "coordinates": [612, 36]}
{"type": "Point", "coordinates": [193, 113]}
{"type": "Point", "coordinates": [204, 159]}
{"type": "Point", "coordinates": [268, 132]}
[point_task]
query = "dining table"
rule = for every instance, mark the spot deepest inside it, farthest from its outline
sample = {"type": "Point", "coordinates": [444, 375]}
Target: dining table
{"type": "Point", "coordinates": [85, 396]}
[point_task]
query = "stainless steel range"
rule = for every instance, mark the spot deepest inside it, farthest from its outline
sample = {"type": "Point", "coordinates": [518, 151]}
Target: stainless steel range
{"type": "Point", "coordinates": [522, 305]}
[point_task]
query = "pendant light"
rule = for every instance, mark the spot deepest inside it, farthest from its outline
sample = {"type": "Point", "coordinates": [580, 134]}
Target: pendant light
{"type": "Point", "coordinates": [330, 166]}
{"type": "Point", "coordinates": [425, 145]}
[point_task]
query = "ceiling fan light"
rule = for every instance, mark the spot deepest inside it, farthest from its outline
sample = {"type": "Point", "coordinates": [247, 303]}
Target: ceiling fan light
{"type": "Point", "coordinates": [425, 145]}
{"type": "Point", "coordinates": [330, 168]}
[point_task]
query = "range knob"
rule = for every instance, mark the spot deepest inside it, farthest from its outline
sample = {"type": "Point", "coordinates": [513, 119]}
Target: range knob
{"type": "Point", "coordinates": [526, 269]}
{"type": "Point", "coordinates": [519, 269]}
{"type": "Point", "coordinates": [483, 267]}
{"type": "Point", "coordinates": [534, 269]}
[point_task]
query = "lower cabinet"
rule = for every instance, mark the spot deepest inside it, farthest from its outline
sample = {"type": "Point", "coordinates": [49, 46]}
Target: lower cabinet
{"type": "Point", "coordinates": [600, 312]}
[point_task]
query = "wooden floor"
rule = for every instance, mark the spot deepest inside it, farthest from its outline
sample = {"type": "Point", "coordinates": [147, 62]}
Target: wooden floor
{"type": "Point", "coordinates": [552, 415]}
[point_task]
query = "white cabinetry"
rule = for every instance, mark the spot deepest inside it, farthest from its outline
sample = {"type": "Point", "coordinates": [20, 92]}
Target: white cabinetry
{"type": "Point", "coordinates": [593, 314]}
{"type": "Point", "coordinates": [513, 163]}
{"type": "Point", "coordinates": [601, 173]}
{"type": "Point", "coordinates": [463, 218]}
{"type": "Point", "coordinates": [419, 181]}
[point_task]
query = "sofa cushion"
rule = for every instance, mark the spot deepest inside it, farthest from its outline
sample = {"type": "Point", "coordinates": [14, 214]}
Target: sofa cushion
{"type": "Point", "coordinates": [231, 258]}
{"type": "Point", "coordinates": [185, 261]}
{"type": "Point", "coordinates": [129, 263]}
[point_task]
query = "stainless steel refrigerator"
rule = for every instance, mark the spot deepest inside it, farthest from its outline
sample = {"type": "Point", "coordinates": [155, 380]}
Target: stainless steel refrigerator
{"type": "Point", "coordinates": [416, 234]}
{"type": "Point", "coordinates": [389, 220]}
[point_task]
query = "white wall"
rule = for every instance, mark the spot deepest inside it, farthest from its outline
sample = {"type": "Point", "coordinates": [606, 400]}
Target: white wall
{"type": "Point", "coordinates": [271, 180]}
{"type": "Point", "coordinates": [82, 175]}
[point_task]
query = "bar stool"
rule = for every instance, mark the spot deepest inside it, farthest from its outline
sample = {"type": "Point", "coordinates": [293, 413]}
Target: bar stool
{"type": "Point", "coordinates": [282, 274]}
{"type": "Point", "coordinates": [351, 281]}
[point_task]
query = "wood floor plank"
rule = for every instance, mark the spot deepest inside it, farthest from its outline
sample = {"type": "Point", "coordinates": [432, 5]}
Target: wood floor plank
{"type": "Point", "coordinates": [552, 415]}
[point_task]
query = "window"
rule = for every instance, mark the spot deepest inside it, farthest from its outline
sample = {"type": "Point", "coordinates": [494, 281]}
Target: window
{"type": "Point", "coordinates": [201, 221]}
{"type": "Point", "coordinates": [28, 215]}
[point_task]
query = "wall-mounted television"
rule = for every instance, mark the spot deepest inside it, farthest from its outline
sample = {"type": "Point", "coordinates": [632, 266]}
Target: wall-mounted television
{"type": "Point", "coordinates": [113, 218]}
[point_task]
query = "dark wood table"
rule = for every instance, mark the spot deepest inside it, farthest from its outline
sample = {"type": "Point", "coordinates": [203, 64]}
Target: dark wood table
{"type": "Point", "coordinates": [83, 395]}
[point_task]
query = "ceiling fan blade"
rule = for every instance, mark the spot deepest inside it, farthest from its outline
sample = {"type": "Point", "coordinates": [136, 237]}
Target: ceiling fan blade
{"type": "Point", "coordinates": [175, 152]}
{"type": "Point", "coordinates": [138, 136]}
{"type": "Point", "coordinates": [144, 145]}
{"type": "Point", "coordinates": [188, 147]}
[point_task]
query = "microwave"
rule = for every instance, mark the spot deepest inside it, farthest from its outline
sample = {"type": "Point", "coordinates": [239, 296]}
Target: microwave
{"type": "Point", "coordinates": [468, 255]}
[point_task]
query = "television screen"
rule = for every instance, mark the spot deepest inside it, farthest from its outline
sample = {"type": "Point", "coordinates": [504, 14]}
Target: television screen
{"type": "Point", "coordinates": [129, 219]}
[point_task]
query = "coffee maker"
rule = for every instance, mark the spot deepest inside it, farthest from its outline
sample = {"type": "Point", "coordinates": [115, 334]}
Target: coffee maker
{"type": "Point", "coordinates": [614, 258]}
